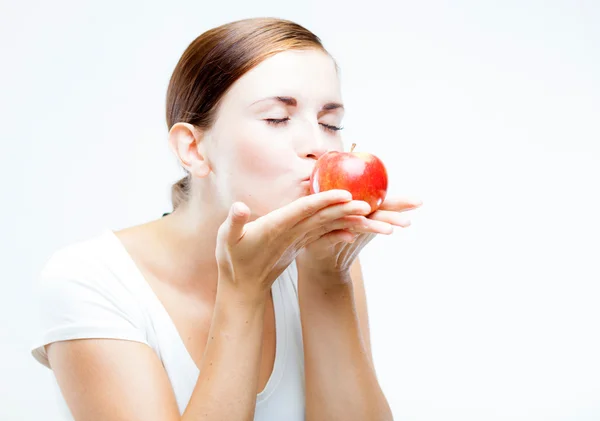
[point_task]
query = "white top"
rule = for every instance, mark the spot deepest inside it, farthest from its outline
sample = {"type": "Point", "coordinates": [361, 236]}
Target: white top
{"type": "Point", "coordinates": [93, 289]}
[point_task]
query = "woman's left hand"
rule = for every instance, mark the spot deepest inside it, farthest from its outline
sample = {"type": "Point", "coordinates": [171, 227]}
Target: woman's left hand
{"type": "Point", "coordinates": [332, 254]}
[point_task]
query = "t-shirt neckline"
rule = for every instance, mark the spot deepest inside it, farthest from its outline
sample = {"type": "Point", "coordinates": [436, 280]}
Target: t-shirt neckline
{"type": "Point", "coordinates": [151, 298]}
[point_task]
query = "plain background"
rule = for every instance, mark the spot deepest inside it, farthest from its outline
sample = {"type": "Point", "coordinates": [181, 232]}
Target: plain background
{"type": "Point", "coordinates": [487, 308]}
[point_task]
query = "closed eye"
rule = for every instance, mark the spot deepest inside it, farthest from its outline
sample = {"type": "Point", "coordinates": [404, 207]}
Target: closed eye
{"type": "Point", "coordinates": [330, 127]}
{"type": "Point", "coordinates": [277, 121]}
{"type": "Point", "coordinates": [283, 121]}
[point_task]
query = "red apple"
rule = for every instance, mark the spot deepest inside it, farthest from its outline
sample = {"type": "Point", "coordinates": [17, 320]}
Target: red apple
{"type": "Point", "coordinates": [361, 173]}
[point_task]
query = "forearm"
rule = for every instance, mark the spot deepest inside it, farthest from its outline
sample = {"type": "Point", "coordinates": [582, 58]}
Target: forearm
{"type": "Point", "coordinates": [228, 381]}
{"type": "Point", "coordinates": [340, 379]}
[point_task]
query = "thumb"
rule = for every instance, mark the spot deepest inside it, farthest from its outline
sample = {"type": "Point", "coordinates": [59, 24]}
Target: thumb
{"type": "Point", "coordinates": [238, 216]}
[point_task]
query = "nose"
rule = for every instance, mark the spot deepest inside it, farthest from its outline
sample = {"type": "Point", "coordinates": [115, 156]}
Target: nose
{"type": "Point", "coordinates": [313, 146]}
{"type": "Point", "coordinates": [316, 153]}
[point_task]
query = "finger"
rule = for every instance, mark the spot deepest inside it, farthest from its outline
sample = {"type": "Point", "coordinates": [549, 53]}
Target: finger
{"type": "Point", "coordinates": [339, 236]}
{"type": "Point", "coordinates": [393, 218]}
{"type": "Point", "coordinates": [346, 223]}
{"type": "Point", "coordinates": [359, 224]}
{"type": "Point", "coordinates": [236, 220]}
{"type": "Point", "coordinates": [352, 224]}
{"type": "Point", "coordinates": [399, 204]}
{"type": "Point", "coordinates": [305, 207]}
{"type": "Point", "coordinates": [333, 213]}
{"type": "Point", "coordinates": [374, 226]}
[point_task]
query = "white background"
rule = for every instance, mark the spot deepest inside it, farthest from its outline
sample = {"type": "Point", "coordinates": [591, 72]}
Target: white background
{"type": "Point", "coordinates": [487, 308]}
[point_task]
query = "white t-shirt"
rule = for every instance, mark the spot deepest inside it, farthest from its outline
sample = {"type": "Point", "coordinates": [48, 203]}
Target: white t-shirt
{"type": "Point", "coordinates": [93, 289]}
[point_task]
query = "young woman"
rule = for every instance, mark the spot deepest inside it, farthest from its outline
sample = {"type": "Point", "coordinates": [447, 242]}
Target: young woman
{"type": "Point", "coordinates": [247, 301]}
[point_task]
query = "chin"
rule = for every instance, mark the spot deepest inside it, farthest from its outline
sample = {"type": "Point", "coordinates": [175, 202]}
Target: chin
{"type": "Point", "coordinates": [274, 203]}
{"type": "Point", "coordinates": [263, 201]}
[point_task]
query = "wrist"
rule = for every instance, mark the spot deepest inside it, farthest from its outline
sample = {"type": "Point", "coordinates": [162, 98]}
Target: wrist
{"type": "Point", "coordinates": [240, 295]}
{"type": "Point", "coordinates": [331, 300]}
{"type": "Point", "coordinates": [325, 279]}
{"type": "Point", "coordinates": [325, 284]}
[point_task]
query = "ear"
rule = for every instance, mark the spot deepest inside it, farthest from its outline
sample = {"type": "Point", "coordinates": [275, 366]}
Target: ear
{"type": "Point", "coordinates": [186, 142]}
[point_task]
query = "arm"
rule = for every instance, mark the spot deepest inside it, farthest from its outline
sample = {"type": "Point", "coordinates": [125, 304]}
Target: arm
{"type": "Point", "coordinates": [118, 380]}
{"type": "Point", "coordinates": [103, 379]}
{"type": "Point", "coordinates": [360, 298]}
{"type": "Point", "coordinates": [340, 377]}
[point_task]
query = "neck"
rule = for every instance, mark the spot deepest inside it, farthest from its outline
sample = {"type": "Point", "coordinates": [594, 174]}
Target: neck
{"type": "Point", "coordinates": [190, 234]}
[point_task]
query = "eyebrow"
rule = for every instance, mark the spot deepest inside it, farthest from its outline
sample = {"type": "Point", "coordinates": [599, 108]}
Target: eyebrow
{"type": "Point", "coordinates": [288, 100]}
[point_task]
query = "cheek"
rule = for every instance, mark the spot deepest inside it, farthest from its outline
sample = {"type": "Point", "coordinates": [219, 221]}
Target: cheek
{"type": "Point", "coordinates": [259, 156]}
{"type": "Point", "coordinates": [262, 171]}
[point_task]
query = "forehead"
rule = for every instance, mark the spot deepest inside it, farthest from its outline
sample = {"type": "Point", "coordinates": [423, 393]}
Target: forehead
{"type": "Point", "coordinates": [309, 75]}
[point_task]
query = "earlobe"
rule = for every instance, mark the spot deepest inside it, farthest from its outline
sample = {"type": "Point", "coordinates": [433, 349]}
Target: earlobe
{"type": "Point", "coordinates": [186, 142]}
{"type": "Point", "coordinates": [200, 168]}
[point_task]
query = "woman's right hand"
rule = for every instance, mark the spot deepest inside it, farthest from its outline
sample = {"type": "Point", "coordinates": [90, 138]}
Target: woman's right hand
{"type": "Point", "coordinates": [251, 255]}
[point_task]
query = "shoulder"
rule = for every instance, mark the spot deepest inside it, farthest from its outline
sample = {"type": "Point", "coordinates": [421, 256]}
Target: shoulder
{"type": "Point", "coordinates": [84, 291]}
{"type": "Point", "coordinates": [88, 271]}
{"type": "Point", "coordinates": [93, 261]}
{"type": "Point", "coordinates": [83, 256]}
{"type": "Point", "coordinates": [87, 276]}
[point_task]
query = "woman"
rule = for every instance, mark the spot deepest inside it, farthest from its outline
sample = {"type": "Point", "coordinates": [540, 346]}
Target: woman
{"type": "Point", "coordinates": [246, 302]}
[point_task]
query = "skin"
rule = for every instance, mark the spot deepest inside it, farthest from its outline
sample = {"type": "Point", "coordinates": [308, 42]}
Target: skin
{"type": "Point", "coordinates": [244, 158]}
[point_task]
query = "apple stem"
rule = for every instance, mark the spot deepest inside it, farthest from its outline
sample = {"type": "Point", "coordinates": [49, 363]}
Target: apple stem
{"type": "Point", "coordinates": [353, 146]}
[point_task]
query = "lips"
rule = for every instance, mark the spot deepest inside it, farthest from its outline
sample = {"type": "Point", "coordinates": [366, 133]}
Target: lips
{"type": "Point", "coordinates": [305, 185]}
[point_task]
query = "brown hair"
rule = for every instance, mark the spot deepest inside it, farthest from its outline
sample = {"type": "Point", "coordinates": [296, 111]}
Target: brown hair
{"type": "Point", "coordinates": [215, 60]}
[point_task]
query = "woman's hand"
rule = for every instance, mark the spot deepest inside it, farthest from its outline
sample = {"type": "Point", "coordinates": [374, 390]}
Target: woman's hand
{"type": "Point", "coordinates": [251, 255]}
{"type": "Point", "coordinates": [334, 252]}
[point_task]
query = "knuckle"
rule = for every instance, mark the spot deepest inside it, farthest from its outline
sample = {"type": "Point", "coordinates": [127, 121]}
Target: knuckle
{"type": "Point", "coordinates": [222, 231]}
{"type": "Point", "coordinates": [355, 208]}
{"type": "Point", "coordinates": [350, 223]}
{"type": "Point", "coordinates": [271, 233]}
{"type": "Point", "coordinates": [307, 208]}
{"type": "Point", "coordinates": [322, 218]}
{"type": "Point", "coordinates": [324, 229]}
{"type": "Point", "coordinates": [346, 208]}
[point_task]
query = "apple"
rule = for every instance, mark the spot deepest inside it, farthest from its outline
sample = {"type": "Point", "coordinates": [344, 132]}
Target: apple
{"type": "Point", "coordinates": [360, 173]}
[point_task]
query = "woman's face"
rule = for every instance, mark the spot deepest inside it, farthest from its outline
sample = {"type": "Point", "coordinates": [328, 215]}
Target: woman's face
{"type": "Point", "coordinates": [272, 126]}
